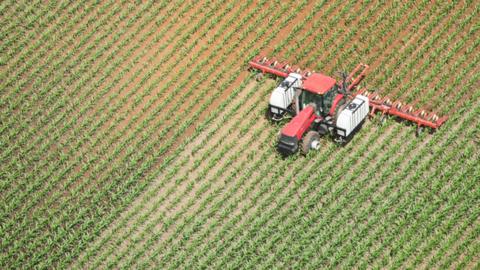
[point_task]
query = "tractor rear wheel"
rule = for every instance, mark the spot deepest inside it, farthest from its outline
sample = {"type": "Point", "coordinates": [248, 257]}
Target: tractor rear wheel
{"type": "Point", "coordinates": [310, 141]}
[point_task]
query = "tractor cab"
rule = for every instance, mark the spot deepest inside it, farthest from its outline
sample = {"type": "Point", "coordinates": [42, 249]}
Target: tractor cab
{"type": "Point", "coordinates": [320, 90]}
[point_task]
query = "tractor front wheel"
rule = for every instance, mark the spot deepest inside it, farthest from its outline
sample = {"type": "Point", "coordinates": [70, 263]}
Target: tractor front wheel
{"type": "Point", "coordinates": [310, 141]}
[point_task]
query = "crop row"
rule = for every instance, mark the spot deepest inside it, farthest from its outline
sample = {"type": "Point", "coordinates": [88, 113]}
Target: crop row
{"type": "Point", "coordinates": [153, 128]}
{"type": "Point", "coordinates": [271, 36]}
{"type": "Point", "coordinates": [99, 139]}
{"type": "Point", "coordinates": [54, 135]}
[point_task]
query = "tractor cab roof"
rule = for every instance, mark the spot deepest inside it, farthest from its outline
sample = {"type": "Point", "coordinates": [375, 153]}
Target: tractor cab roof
{"type": "Point", "coordinates": [318, 83]}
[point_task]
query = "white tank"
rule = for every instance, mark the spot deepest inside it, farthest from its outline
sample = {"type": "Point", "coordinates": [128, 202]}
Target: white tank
{"type": "Point", "coordinates": [283, 95]}
{"type": "Point", "coordinates": [353, 115]}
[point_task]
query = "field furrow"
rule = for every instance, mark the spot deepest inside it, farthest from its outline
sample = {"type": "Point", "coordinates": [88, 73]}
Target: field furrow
{"type": "Point", "coordinates": [134, 135]}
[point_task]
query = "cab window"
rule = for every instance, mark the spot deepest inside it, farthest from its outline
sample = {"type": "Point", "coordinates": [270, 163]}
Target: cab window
{"type": "Point", "coordinates": [323, 102]}
{"type": "Point", "coordinates": [328, 100]}
{"type": "Point", "coordinates": [308, 97]}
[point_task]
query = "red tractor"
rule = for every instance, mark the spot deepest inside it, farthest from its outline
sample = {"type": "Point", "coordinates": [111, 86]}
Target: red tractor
{"type": "Point", "coordinates": [320, 105]}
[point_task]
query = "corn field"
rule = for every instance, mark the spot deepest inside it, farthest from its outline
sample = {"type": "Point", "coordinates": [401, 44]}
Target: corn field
{"type": "Point", "coordinates": [133, 136]}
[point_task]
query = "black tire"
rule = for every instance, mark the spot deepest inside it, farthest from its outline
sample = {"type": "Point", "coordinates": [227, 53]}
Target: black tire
{"type": "Point", "coordinates": [271, 116]}
{"type": "Point", "coordinates": [306, 143]}
{"type": "Point", "coordinates": [322, 130]}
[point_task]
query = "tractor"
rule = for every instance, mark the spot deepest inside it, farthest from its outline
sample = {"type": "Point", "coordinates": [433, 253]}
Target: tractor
{"type": "Point", "coordinates": [319, 105]}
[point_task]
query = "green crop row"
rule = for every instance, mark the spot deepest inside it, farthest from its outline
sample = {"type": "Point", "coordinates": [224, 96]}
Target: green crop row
{"type": "Point", "coordinates": [133, 137]}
